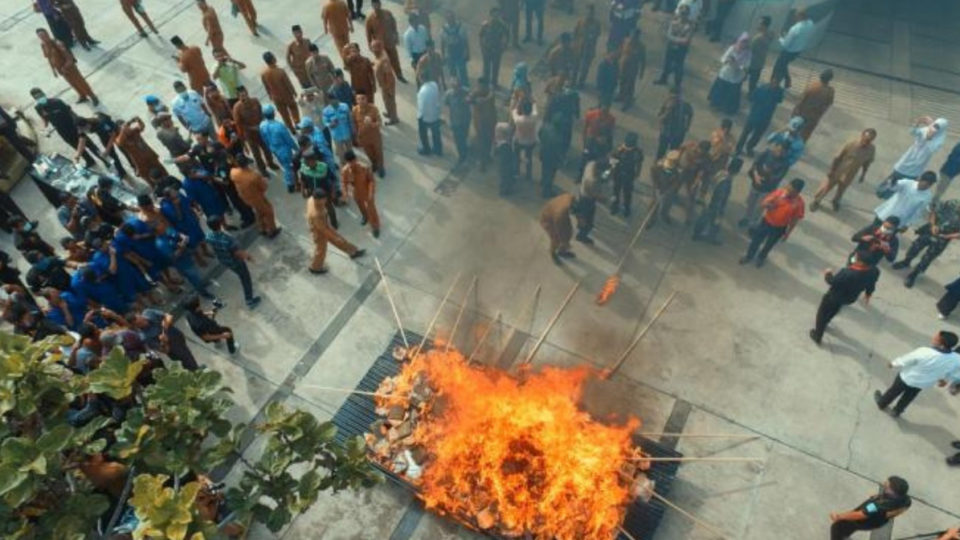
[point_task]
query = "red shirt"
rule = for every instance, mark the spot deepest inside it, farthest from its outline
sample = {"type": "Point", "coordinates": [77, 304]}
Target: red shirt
{"type": "Point", "coordinates": [598, 124]}
{"type": "Point", "coordinates": [782, 211]}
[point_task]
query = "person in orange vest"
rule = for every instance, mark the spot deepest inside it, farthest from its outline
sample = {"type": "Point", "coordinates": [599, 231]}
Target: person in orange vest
{"type": "Point", "coordinates": [366, 121]}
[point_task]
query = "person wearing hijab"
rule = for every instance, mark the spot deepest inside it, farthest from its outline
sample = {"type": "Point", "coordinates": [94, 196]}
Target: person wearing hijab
{"type": "Point", "coordinates": [725, 92]}
{"type": "Point", "coordinates": [520, 89]}
{"type": "Point", "coordinates": [928, 136]}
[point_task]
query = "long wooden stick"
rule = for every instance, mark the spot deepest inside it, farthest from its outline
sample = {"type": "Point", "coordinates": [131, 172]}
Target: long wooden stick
{"type": "Point", "coordinates": [686, 459]}
{"type": "Point", "coordinates": [463, 305]}
{"type": "Point", "coordinates": [483, 338]}
{"type": "Point", "coordinates": [436, 315]}
{"type": "Point", "coordinates": [393, 305]}
{"type": "Point", "coordinates": [341, 390]}
{"type": "Point", "coordinates": [513, 329]}
{"type": "Point", "coordinates": [626, 353]}
{"type": "Point", "coordinates": [643, 226]}
{"type": "Point", "coordinates": [713, 529]}
{"type": "Point", "coordinates": [625, 533]}
{"type": "Point", "coordinates": [553, 321]}
{"type": "Point", "coordinates": [700, 435]}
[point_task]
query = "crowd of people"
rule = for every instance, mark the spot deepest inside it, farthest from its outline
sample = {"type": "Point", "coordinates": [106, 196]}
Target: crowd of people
{"type": "Point", "coordinates": [321, 132]}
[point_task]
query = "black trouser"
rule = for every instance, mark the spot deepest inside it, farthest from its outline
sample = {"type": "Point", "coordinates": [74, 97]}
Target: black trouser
{"type": "Point", "coordinates": [433, 128]}
{"type": "Point", "coordinates": [491, 67]}
{"type": "Point", "coordinates": [715, 27]}
{"type": "Point", "coordinates": [246, 213]}
{"type": "Point", "coordinates": [548, 171]}
{"type": "Point", "coordinates": [332, 212]}
{"type": "Point", "coordinates": [535, 10]}
{"type": "Point", "coordinates": [231, 344]}
{"type": "Point", "coordinates": [706, 226]}
{"type": "Point", "coordinates": [668, 142]}
{"type": "Point", "coordinates": [948, 302]}
{"type": "Point", "coordinates": [60, 29]}
{"type": "Point", "coordinates": [828, 309]}
{"type": "Point", "coordinates": [72, 137]}
{"type": "Point", "coordinates": [461, 137]}
{"type": "Point", "coordinates": [622, 192]}
{"type": "Point", "coordinates": [239, 268]}
{"type": "Point", "coordinates": [751, 134]}
{"type": "Point", "coordinates": [841, 530]}
{"type": "Point", "coordinates": [356, 7]}
{"type": "Point", "coordinates": [765, 234]}
{"type": "Point", "coordinates": [673, 60]}
{"type": "Point", "coordinates": [781, 69]}
{"type": "Point", "coordinates": [113, 155]}
{"type": "Point", "coordinates": [899, 388]}
{"type": "Point", "coordinates": [586, 211]}
{"type": "Point", "coordinates": [753, 77]}
{"type": "Point", "coordinates": [177, 349]}
{"type": "Point", "coordinates": [932, 246]}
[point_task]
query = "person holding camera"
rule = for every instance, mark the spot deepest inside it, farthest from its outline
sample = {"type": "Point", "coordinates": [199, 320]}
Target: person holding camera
{"type": "Point", "coordinates": [204, 325]}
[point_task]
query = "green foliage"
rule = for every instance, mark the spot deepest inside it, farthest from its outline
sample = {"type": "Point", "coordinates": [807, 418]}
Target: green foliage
{"type": "Point", "coordinates": [163, 512]}
{"type": "Point", "coordinates": [116, 375]}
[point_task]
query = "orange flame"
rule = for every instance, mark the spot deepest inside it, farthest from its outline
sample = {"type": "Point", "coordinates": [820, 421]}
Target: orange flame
{"type": "Point", "coordinates": [517, 453]}
{"type": "Point", "coordinates": [609, 288]}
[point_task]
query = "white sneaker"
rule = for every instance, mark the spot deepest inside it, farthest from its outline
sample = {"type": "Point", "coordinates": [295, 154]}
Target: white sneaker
{"type": "Point", "coordinates": [941, 316]}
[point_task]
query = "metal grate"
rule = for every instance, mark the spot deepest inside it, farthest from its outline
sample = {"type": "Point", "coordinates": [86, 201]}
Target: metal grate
{"type": "Point", "coordinates": [357, 413]}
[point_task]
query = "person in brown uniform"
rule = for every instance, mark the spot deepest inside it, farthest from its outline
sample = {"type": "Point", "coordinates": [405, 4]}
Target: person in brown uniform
{"type": "Point", "coordinates": [320, 70]}
{"type": "Point", "coordinates": [816, 99]}
{"type": "Point", "coordinates": [252, 187]}
{"type": "Point", "coordinates": [693, 165]}
{"type": "Point", "coordinates": [359, 184]}
{"type": "Point", "coordinates": [190, 61]}
{"type": "Point", "coordinates": [248, 12]}
{"type": "Point", "coordinates": [71, 14]}
{"type": "Point", "coordinates": [555, 219]}
{"type": "Point", "coordinates": [360, 67]}
{"type": "Point", "coordinates": [247, 115]}
{"type": "Point", "coordinates": [562, 58]}
{"type": "Point", "coordinates": [337, 23]}
{"type": "Point", "coordinates": [382, 26]}
{"type": "Point", "coordinates": [484, 113]}
{"type": "Point", "coordinates": [510, 11]}
{"type": "Point", "coordinates": [132, 8]}
{"type": "Point", "coordinates": [144, 160]}
{"type": "Point", "coordinates": [217, 104]}
{"type": "Point", "coordinates": [281, 90]}
{"type": "Point", "coordinates": [722, 144]}
{"type": "Point", "coordinates": [319, 223]}
{"type": "Point", "coordinates": [494, 38]}
{"type": "Point", "coordinates": [585, 37]}
{"type": "Point", "coordinates": [64, 65]}
{"type": "Point", "coordinates": [297, 53]}
{"type": "Point", "coordinates": [430, 67]}
{"type": "Point", "coordinates": [633, 64]}
{"type": "Point", "coordinates": [211, 24]}
{"type": "Point", "coordinates": [856, 155]}
{"type": "Point", "coordinates": [366, 120]}
{"type": "Point", "coordinates": [386, 81]}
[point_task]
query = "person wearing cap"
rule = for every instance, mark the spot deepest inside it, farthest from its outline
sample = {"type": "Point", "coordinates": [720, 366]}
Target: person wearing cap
{"type": "Point", "coordinates": [874, 512]}
{"type": "Point", "coordinates": [855, 156]}
{"type": "Point", "coordinates": [281, 143]}
{"type": "Point", "coordinates": [318, 142]}
{"type": "Point", "coordinates": [876, 243]}
{"type": "Point", "coordinates": [858, 277]}
{"type": "Point", "coordinates": [627, 163]}
{"type": "Point", "coordinates": [63, 64]}
{"type": "Point", "coordinates": [318, 221]}
{"type": "Point", "coordinates": [190, 109]}
{"type": "Point", "coordinates": [281, 91]}
{"type": "Point", "coordinates": [366, 119]}
{"type": "Point", "coordinates": [342, 89]}
{"type": "Point", "coordinates": [791, 139]}
{"type": "Point", "coordinates": [337, 22]}
{"type": "Point", "coordinates": [679, 36]}
{"type": "Point", "coordinates": [782, 210]}
{"type": "Point", "coordinates": [315, 175]}
{"type": "Point", "coordinates": [145, 161]}
{"type": "Point", "coordinates": [252, 188]}
{"type": "Point", "coordinates": [386, 80]}
{"type": "Point", "coordinates": [337, 118]}
{"type": "Point", "coordinates": [229, 254]}
{"type": "Point", "coordinates": [298, 50]}
{"type": "Point", "coordinates": [674, 118]}
{"type": "Point", "coordinates": [382, 26]}
{"type": "Point", "coordinates": [211, 25]}
{"type": "Point", "coordinates": [933, 237]}
{"type": "Point", "coordinates": [247, 117]}
{"type": "Point", "coordinates": [922, 368]}
{"type": "Point", "coordinates": [190, 61]}
{"type": "Point", "coordinates": [358, 184]}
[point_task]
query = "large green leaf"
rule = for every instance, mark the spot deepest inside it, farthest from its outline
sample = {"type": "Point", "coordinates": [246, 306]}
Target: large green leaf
{"type": "Point", "coordinates": [55, 440]}
{"type": "Point", "coordinates": [163, 512]}
{"type": "Point", "coordinates": [10, 477]}
{"type": "Point", "coordinates": [116, 375]}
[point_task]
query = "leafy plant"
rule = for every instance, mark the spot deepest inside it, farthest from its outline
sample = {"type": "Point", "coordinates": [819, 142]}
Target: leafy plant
{"type": "Point", "coordinates": [116, 375]}
{"type": "Point", "coordinates": [164, 512]}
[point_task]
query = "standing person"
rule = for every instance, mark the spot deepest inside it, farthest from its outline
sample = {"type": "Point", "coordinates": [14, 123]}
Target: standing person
{"type": "Point", "coordinates": [816, 99]}
{"type": "Point", "coordinates": [563, 110]}
{"type": "Point", "coordinates": [247, 116]}
{"type": "Point", "coordinates": [8, 130]}
{"type": "Point", "coordinates": [555, 220]}
{"type": "Point", "coordinates": [386, 80]}
{"type": "Point", "coordinates": [217, 104]}
{"type": "Point", "coordinates": [907, 199]}
{"type": "Point", "coordinates": [878, 243]}
{"type": "Point", "coordinates": [928, 137]}
{"type": "Point", "coordinates": [725, 92]}
{"type": "Point", "coordinates": [252, 188]}
{"type": "Point", "coordinates": [933, 237]}
{"type": "Point", "coordinates": [790, 139]}
{"type": "Point", "coordinates": [337, 22]}
{"type": "Point", "coordinates": [494, 38]}
{"type": "Point", "coordinates": [793, 42]}
{"type": "Point", "coordinates": [506, 158]}
{"type": "Point", "coordinates": [759, 48]}
{"type": "Point", "coordinates": [874, 512]}
{"type": "Point", "coordinates": [55, 20]}
{"type": "Point", "coordinates": [415, 39]}
{"type": "Point", "coordinates": [145, 161]}
{"type": "Point", "coordinates": [525, 122]}
{"type": "Point", "coordinates": [366, 118]}
{"type": "Point", "coordinates": [71, 14]}
{"type": "Point", "coordinates": [318, 222]}
{"type": "Point", "coordinates": [674, 117]}
{"type": "Point", "coordinates": [509, 12]}
{"type": "Point", "coordinates": [628, 161]}
{"type": "Point", "coordinates": [190, 110]}
{"type": "Point", "coordinates": [483, 102]}
{"type": "Point", "coordinates": [607, 77]}
{"type": "Point", "coordinates": [858, 277]}
{"type": "Point", "coordinates": [585, 37]}
{"type": "Point", "coordinates": [598, 128]}
{"type": "Point", "coordinates": [534, 9]}
{"type": "Point", "coordinates": [228, 73]}
{"type": "Point", "coordinates": [248, 12]}
{"type": "Point", "coordinates": [358, 184]}
{"type": "Point", "coordinates": [381, 26]}
{"type": "Point", "coordinates": [298, 50]}
{"type": "Point", "coordinates": [551, 146]}
{"type": "Point", "coordinates": [58, 114]}
{"type": "Point", "coordinates": [356, 9]}
{"type": "Point", "coordinates": [707, 226]}
{"type": "Point", "coordinates": [360, 67]}
{"type": "Point", "coordinates": [679, 35]}
{"type": "Point", "coordinates": [320, 70]}
{"type": "Point", "coordinates": [63, 64]}
{"type": "Point", "coordinates": [211, 25]}
{"type": "Point", "coordinates": [132, 8]}
{"type": "Point", "coordinates": [763, 105]}
{"type": "Point", "coordinates": [106, 129]}
{"type": "Point", "coordinates": [229, 254]}
{"type": "Point", "coordinates": [562, 59]}
{"type": "Point", "coordinates": [694, 166]}
{"type": "Point", "coordinates": [920, 369]}
{"type": "Point", "coordinates": [455, 48]}
{"type": "Point", "coordinates": [281, 91]}
{"type": "Point", "coordinates": [782, 210]}
{"type": "Point", "coordinates": [633, 64]}
{"type": "Point", "coordinates": [624, 16]}
{"type": "Point", "coordinates": [278, 139]}
{"type": "Point", "coordinates": [591, 190]}
{"type": "Point", "coordinates": [715, 26]}
{"type": "Point", "coordinates": [430, 66]}
{"type": "Point", "coordinates": [428, 118]}
{"type": "Point", "coordinates": [190, 61]}
{"type": "Point", "coordinates": [337, 118]}
{"type": "Point", "coordinates": [205, 327]}
{"type": "Point", "coordinates": [456, 99]}
{"type": "Point", "coordinates": [765, 175]}
{"type": "Point", "coordinates": [856, 155]}
{"type": "Point", "coordinates": [948, 171]}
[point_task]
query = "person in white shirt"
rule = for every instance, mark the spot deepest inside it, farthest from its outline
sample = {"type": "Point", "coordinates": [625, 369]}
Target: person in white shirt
{"type": "Point", "coordinates": [415, 39]}
{"type": "Point", "coordinates": [428, 118]}
{"type": "Point", "coordinates": [928, 136]}
{"type": "Point", "coordinates": [190, 110]}
{"type": "Point", "coordinates": [525, 125]}
{"type": "Point", "coordinates": [695, 7]}
{"type": "Point", "coordinates": [792, 43]}
{"type": "Point", "coordinates": [907, 200]}
{"type": "Point", "coordinates": [922, 368]}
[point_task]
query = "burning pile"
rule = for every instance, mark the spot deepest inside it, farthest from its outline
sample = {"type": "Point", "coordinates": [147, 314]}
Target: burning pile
{"type": "Point", "coordinates": [510, 456]}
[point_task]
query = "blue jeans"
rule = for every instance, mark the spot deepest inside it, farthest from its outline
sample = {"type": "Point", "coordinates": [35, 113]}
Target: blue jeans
{"type": "Point", "coordinates": [186, 268]}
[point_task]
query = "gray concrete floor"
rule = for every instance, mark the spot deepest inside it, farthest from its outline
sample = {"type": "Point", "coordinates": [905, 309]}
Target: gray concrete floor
{"type": "Point", "coordinates": [732, 349]}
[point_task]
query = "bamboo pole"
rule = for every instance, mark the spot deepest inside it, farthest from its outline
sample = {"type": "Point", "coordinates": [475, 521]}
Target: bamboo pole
{"type": "Point", "coordinates": [483, 338]}
{"type": "Point", "coordinates": [688, 459]}
{"type": "Point", "coordinates": [700, 435]}
{"type": "Point", "coordinates": [625, 533]}
{"type": "Point", "coordinates": [393, 305]}
{"type": "Point", "coordinates": [553, 321]}
{"type": "Point", "coordinates": [513, 329]}
{"type": "Point", "coordinates": [613, 280]}
{"type": "Point", "coordinates": [626, 353]}
{"type": "Point", "coordinates": [342, 390]}
{"type": "Point", "coordinates": [463, 305]}
{"type": "Point", "coordinates": [711, 528]}
{"type": "Point", "coordinates": [433, 321]}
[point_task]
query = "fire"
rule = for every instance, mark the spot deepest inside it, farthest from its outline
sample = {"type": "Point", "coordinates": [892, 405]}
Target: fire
{"type": "Point", "coordinates": [510, 455]}
{"type": "Point", "coordinates": [609, 287]}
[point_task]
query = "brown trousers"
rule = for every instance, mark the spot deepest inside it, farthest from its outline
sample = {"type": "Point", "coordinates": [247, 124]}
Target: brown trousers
{"type": "Point", "coordinates": [132, 15]}
{"type": "Point", "coordinates": [290, 113]}
{"type": "Point", "coordinates": [322, 235]}
{"type": "Point", "coordinates": [249, 14]}
{"type": "Point", "coordinates": [76, 81]}
{"type": "Point", "coordinates": [374, 151]}
{"type": "Point", "coordinates": [390, 104]}
{"type": "Point", "coordinates": [394, 60]}
{"type": "Point", "coordinates": [265, 217]}
{"type": "Point", "coordinates": [368, 210]}
{"type": "Point", "coordinates": [259, 149]}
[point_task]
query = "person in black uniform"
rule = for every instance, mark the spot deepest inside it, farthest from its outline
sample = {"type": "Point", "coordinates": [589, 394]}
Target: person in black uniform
{"type": "Point", "coordinates": [874, 512]}
{"type": "Point", "coordinates": [8, 129]}
{"type": "Point", "coordinates": [205, 326]}
{"type": "Point", "coordinates": [214, 158]}
{"type": "Point", "coordinates": [845, 287]}
{"type": "Point", "coordinates": [105, 128]}
{"type": "Point", "coordinates": [878, 243]}
{"type": "Point", "coordinates": [58, 114]}
{"type": "Point", "coordinates": [26, 238]}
